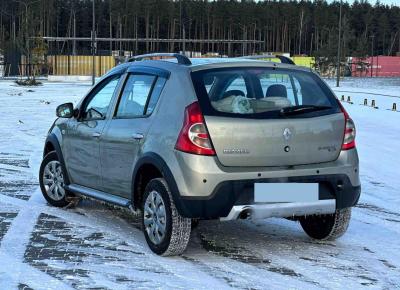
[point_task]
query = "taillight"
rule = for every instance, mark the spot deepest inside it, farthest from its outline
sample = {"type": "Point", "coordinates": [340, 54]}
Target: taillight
{"type": "Point", "coordinates": [349, 139]}
{"type": "Point", "coordinates": [193, 137]}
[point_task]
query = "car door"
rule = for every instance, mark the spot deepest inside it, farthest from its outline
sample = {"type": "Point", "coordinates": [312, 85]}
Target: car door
{"type": "Point", "coordinates": [82, 138]}
{"type": "Point", "coordinates": [126, 132]}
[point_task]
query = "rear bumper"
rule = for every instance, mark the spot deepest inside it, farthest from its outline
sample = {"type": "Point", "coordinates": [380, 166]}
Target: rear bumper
{"type": "Point", "coordinates": [240, 193]}
{"type": "Point", "coordinates": [198, 176]}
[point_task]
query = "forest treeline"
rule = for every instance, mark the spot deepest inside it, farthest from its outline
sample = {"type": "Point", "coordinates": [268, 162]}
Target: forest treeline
{"type": "Point", "coordinates": [298, 27]}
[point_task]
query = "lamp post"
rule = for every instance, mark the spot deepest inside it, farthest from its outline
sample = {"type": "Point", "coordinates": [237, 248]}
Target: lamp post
{"type": "Point", "coordinates": [26, 29]}
{"type": "Point", "coordinates": [12, 16]}
{"type": "Point", "coordinates": [372, 53]}
{"type": "Point", "coordinates": [244, 30]}
{"type": "Point", "coordinates": [93, 42]}
{"type": "Point", "coordinates": [183, 22]}
{"type": "Point", "coordinates": [339, 46]}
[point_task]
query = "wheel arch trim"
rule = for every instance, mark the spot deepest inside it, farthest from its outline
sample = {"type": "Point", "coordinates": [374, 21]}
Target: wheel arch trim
{"type": "Point", "coordinates": [157, 161]}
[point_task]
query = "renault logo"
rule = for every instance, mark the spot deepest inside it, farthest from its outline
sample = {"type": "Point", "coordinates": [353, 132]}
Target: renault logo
{"type": "Point", "coordinates": [287, 134]}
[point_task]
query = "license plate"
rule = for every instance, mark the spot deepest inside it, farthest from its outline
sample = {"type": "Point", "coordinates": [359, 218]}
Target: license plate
{"type": "Point", "coordinates": [286, 192]}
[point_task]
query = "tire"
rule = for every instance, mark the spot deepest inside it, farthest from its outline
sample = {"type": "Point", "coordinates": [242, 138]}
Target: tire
{"type": "Point", "coordinates": [50, 165]}
{"type": "Point", "coordinates": [327, 227]}
{"type": "Point", "coordinates": [167, 233]}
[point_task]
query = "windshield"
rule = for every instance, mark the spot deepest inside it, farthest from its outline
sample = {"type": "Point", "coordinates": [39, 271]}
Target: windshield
{"type": "Point", "coordinates": [262, 92]}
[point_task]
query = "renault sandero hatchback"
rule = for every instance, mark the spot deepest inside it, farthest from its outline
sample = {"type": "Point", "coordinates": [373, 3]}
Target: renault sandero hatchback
{"type": "Point", "coordinates": [181, 140]}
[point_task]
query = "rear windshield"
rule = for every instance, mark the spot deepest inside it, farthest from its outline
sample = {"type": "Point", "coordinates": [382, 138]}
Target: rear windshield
{"type": "Point", "coordinates": [262, 92]}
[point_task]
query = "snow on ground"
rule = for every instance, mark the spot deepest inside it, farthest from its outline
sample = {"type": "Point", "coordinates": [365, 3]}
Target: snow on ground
{"type": "Point", "coordinates": [96, 246]}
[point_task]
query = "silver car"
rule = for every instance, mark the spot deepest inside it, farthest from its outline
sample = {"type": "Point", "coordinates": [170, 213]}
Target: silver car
{"type": "Point", "coordinates": [181, 140]}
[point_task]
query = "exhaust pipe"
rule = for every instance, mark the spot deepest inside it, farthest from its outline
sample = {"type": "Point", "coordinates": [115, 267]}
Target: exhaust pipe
{"type": "Point", "coordinates": [245, 214]}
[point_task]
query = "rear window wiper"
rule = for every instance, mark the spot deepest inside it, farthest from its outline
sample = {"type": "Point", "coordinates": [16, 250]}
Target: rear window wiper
{"type": "Point", "coordinates": [302, 109]}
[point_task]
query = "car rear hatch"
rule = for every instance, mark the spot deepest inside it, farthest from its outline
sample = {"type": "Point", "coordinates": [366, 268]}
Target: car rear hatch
{"type": "Point", "coordinates": [249, 142]}
{"type": "Point", "coordinates": [269, 117]}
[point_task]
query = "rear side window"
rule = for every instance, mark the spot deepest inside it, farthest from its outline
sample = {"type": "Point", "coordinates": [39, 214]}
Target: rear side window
{"type": "Point", "coordinates": [134, 96]}
{"type": "Point", "coordinates": [155, 94]}
{"type": "Point", "coordinates": [140, 95]}
{"type": "Point", "coordinates": [237, 86]}
{"type": "Point", "coordinates": [260, 92]}
{"type": "Point", "coordinates": [271, 83]}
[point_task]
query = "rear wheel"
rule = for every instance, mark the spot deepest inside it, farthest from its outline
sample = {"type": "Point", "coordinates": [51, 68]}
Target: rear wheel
{"type": "Point", "coordinates": [328, 226]}
{"type": "Point", "coordinates": [51, 179]}
{"type": "Point", "coordinates": [167, 232]}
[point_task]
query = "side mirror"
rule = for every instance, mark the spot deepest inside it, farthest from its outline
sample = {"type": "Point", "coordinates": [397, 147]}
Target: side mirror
{"type": "Point", "coordinates": [65, 110]}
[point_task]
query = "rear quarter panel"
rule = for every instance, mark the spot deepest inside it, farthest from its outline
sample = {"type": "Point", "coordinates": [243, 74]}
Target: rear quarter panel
{"type": "Point", "coordinates": [168, 118]}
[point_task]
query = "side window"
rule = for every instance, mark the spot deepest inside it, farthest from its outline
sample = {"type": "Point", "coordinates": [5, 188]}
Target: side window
{"type": "Point", "coordinates": [297, 88]}
{"type": "Point", "coordinates": [278, 86]}
{"type": "Point", "coordinates": [98, 105]}
{"type": "Point", "coordinates": [134, 97]}
{"type": "Point", "coordinates": [237, 87]}
{"type": "Point", "coordinates": [209, 83]}
{"type": "Point", "coordinates": [155, 95]}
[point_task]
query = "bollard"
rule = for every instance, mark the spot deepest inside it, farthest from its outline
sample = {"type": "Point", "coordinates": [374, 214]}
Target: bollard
{"type": "Point", "coordinates": [365, 102]}
{"type": "Point", "coordinates": [342, 98]}
{"type": "Point", "coordinates": [394, 108]}
{"type": "Point", "coordinates": [348, 99]}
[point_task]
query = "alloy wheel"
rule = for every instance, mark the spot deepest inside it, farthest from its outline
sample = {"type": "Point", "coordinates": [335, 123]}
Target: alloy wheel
{"type": "Point", "coordinates": [53, 180]}
{"type": "Point", "coordinates": [155, 217]}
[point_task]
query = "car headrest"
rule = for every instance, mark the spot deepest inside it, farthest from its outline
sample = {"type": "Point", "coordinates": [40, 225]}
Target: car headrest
{"type": "Point", "coordinates": [233, 93]}
{"type": "Point", "coordinates": [276, 91]}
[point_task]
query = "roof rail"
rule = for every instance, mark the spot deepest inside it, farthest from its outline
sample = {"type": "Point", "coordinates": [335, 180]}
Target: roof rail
{"type": "Point", "coordinates": [282, 58]}
{"type": "Point", "coordinates": [182, 59]}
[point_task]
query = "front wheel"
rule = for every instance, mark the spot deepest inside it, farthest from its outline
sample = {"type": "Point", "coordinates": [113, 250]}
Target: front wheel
{"type": "Point", "coordinates": [327, 226]}
{"type": "Point", "coordinates": [167, 232]}
{"type": "Point", "coordinates": [51, 180]}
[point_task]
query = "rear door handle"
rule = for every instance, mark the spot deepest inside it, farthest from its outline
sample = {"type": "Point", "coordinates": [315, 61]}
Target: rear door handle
{"type": "Point", "coordinates": [138, 136]}
{"type": "Point", "coordinates": [96, 134]}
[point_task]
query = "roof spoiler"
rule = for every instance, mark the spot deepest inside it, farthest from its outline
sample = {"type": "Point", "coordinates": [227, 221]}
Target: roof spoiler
{"type": "Point", "coordinates": [182, 59]}
{"type": "Point", "coordinates": [282, 58]}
